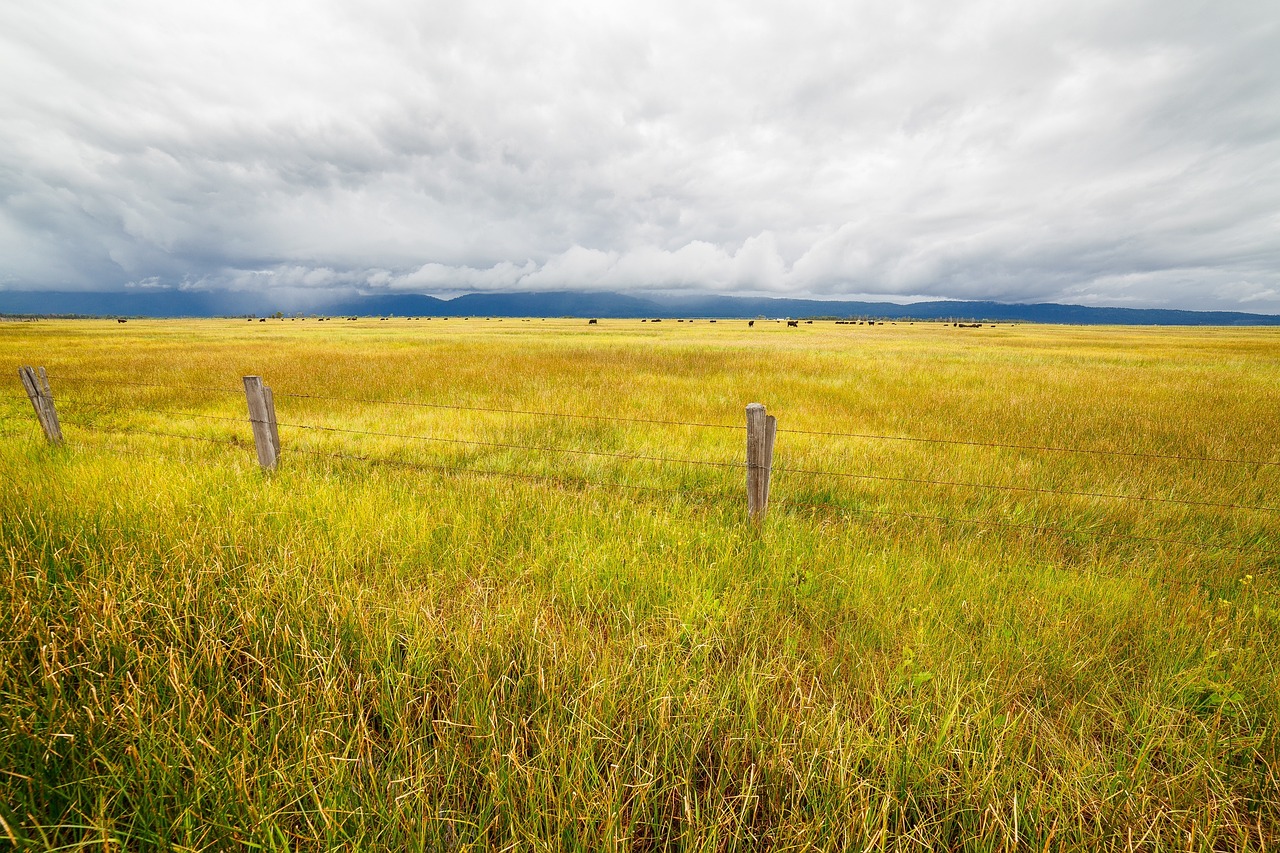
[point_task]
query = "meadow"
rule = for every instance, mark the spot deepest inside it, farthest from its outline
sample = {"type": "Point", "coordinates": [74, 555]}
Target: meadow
{"type": "Point", "coordinates": [1016, 588]}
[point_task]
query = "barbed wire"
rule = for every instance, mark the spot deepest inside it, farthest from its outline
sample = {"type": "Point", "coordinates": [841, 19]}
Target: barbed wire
{"type": "Point", "coordinates": [414, 404]}
{"type": "Point", "coordinates": [713, 497]}
{"type": "Point", "coordinates": [94, 381]}
{"type": "Point", "coordinates": [515, 475]}
{"type": "Point", "coordinates": [530, 412]}
{"type": "Point", "coordinates": [780, 470]}
{"type": "Point", "coordinates": [513, 446]}
{"type": "Point", "coordinates": [705, 425]}
{"type": "Point", "coordinates": [844, 474]}
{"type": "Point", "coordinates": [115, 408]}
{"type": "Point", "coordinates": [1035, 447]}
{"type": "Point", "coordinates": [726, 497]}
{"type": "Point", "coordinates": [1029, 489]}
{"type": "Point", "coordinates": [229, 441]}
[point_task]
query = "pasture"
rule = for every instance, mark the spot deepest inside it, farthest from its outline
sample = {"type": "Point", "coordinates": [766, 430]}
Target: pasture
{"type": "Point", "coordinates": [1016, 588]}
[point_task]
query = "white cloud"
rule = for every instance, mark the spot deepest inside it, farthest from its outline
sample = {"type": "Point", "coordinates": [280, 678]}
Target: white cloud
{"type": "Point", "coordinates": [1054, 151]}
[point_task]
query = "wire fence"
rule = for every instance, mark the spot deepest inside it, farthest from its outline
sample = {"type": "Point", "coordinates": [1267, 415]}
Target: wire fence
{"type": "Point", "coordinates": [866, 436]}
{"type": "Point", "coordinates": [93, 415]}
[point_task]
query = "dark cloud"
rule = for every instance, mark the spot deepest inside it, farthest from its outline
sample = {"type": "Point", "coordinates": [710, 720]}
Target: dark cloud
{"type": "Point", "coordinates": [1101, 153]}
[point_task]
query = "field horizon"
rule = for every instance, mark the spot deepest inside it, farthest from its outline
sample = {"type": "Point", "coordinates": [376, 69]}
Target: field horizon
{"type": "Point", "coordinates": [1016, 588]}
{"type": "Point", "coordinates": [172, 304]}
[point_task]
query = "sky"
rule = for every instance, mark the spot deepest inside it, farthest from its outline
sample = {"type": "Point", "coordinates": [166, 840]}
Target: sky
{"type": "Point", "coordinates": [1095, 153]}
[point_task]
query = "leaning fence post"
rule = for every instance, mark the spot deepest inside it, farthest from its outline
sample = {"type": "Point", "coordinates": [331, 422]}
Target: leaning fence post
{"type": "Point", "coordinates": [262, 414]}
{"type": "Point", "coordinates": [36, 381]}
{"type": "Point", "coordinates": [761, 430]}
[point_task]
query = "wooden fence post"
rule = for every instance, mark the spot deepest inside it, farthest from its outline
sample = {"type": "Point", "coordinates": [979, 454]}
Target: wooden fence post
{"type": "Point", "coordinates": [36, 381]}
{"type": "Point", "coordinates": [761, 430]}
{"type": "Point", "coordinates": [262, 414]}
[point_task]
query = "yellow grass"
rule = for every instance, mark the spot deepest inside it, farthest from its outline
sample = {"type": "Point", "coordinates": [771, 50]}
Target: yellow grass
{"type": "Point", "coordinates": [496, 642]}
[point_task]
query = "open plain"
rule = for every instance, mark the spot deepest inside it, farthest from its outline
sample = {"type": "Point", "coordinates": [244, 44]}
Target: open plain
{"type": "Point", "coordinates": [1016, 588]}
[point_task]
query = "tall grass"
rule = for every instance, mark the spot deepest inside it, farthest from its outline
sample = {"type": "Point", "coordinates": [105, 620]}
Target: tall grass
{"type": "Point", "coordinates": [486, 647]}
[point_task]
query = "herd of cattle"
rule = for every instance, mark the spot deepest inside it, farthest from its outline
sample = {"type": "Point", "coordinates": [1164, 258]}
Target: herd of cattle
{"type": "Point", "coordinates": [596, 321]}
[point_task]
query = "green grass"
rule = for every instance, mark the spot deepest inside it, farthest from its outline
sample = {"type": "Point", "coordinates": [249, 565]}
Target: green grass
{"type": "Point", "coordinates": [586, 652]}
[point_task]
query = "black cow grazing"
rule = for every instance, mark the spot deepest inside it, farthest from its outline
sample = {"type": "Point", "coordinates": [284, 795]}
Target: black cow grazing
{"type": "Point", "coordinates": [121, 320]}
{"type": "Point", "coordinates": [750, 323]}
{"type": "Point", "coordinates": [592, 322]}
{"type": "Point", "coordinates": [711, 321]}
{"type": "Point", "coordinates": [795, 323]}
{"type": "Point", "coordinates": [808, 322]}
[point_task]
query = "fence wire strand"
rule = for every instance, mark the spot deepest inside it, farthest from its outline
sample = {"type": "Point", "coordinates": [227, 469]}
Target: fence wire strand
{"type": "Point", "coordinates": [705, 425]}
{"type": "Point", "coordinates": [529, 412]}
{"type": "Point", "coordinates": [229, 442]}
{"type": "Point", "coordinates": [716, 464]}
{"type": "Point", "coordinates": [516, 475]}
{"type": "Point", "coordinates": [710, 497]}
{"type": "Point", "coordinates": [217, 389]}
{"type": "Point", "coordinates": [1028, 489]}
{"type": "Point", "coordinates": [578, 482]}
{"type": "Point", "coordinates": [1036, 447]}
{"type": "Point", "coordinates": [511, 446]}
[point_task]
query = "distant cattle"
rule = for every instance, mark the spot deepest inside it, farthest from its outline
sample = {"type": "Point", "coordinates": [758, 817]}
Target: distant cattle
{"type": "Point", "coordinates": [751, 323]}
{"type": "Point", "coordinates": [795, 323]}
{"type": "Point", "coordinates": [121, 320]}
{"type": "Point", "coordinates": [592, 322]}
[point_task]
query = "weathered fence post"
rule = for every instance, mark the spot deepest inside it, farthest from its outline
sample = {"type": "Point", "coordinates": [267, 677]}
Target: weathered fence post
{"type": "Point", "coordinates": [262, 414]}
{"type": "Point", "coordinates": [36, 381]}
{"type": "Point", "coordinates": [761, 430]}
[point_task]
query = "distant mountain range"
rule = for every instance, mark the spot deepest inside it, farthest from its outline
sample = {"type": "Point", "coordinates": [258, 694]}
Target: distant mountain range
{"type": "Point", "coordinates": [173, 303]}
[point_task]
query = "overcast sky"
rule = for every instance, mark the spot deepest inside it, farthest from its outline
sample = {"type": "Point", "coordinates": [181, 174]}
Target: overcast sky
{"type": "Point", "coordinates": [1101, 153]}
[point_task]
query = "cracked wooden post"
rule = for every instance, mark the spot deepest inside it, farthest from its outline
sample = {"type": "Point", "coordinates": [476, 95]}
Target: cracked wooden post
{"type": "Point", "coordinates": [761, 430]}
{"type": "Point", "coordinates": [36, 381]}
{"type": "Point", "coordinates": [262, 414]}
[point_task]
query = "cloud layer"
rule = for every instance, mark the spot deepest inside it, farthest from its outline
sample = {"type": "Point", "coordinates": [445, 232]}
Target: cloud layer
{"type": "Point", "coordinates": [1097, 153]}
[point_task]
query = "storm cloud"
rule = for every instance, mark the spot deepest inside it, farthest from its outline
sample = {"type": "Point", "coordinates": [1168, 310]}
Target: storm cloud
{"type": "Point", "coordinates": [1086, 152]}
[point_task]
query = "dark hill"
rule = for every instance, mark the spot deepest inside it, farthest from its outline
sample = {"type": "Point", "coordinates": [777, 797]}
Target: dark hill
{"type": "Point", "coordinates": [173, 303]}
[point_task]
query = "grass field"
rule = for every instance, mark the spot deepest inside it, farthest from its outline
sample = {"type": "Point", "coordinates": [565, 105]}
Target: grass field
{"type": "Point", "coordinates": [458, 634]}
